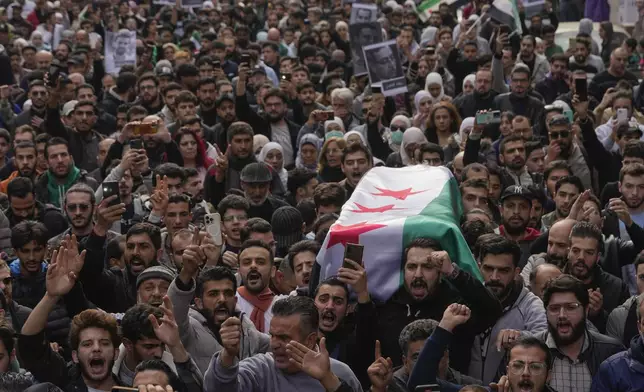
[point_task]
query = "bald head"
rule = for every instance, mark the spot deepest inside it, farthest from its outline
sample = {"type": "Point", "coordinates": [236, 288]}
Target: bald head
{"type": "Point", "coordinates": [82, 37]}
{"type": "Point", "coordinates": [273, 35]}
{"type": "Point", "coordinates": [618, 60]}
{"type": "Point", "coordinates": [43, 60]}
{"type": "Point", "coordinates": [457, 165]}
{"type": "Point", "coordinates": [559, 241]}
{"type": "Point", "coordinates": [77, 79]}
{"type": "Point", "coordinates": [540, 276]}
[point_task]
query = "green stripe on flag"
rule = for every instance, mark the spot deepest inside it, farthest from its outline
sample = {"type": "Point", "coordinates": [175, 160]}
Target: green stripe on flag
{"type": "Point", "coordinates": [439, 220]}
{"type": "Point", "coordinates": [426, 5]}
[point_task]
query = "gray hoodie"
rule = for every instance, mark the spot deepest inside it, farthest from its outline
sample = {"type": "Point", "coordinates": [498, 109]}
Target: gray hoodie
{"type": "Point", "coordinates": [527, 313]}
{"type": "Point", "coordinates": [198, 338]}
{"type": "Point", "coordinates": [259, 374]}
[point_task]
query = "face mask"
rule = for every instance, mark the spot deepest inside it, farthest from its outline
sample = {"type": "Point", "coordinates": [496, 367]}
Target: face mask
{"type": "Point", "coordinates": [331, 134]}
{"type": "Point", "coordinates": [397, 137]}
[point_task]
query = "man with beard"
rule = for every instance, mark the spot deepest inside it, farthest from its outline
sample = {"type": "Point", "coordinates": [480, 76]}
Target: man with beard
{"type": "Point", "coordinates": [512, 157]}
{"type": "Point", "coordinates": [555, 83]}
{"type": "Point", "coordinates": [605, 291]}
{"type": "Point", "coordinates": [169, 92]}
{"type": "Point", "coordinates": [301, 257]}
{"type": "Point", "coordinates": [356, 162]}
{"type": "Point", "coordinates": [518, 101]}
{"type": "Point", "coordinates": [254, 297]}
{"type": "Point", "coordinates": [537, 209]}
{"type": "Point", "coordinates": [207, 93]}
{"type": "Point", "coordinates": [498, 258]}
{"type": "Point", "coordinates": [24, 161]}
{"type": "Point", "coordinates": [213, 291]}
{"type": "Point", "coordinates": [51, 186]}
{"type": "Point", "coordinates": [482, 98]}
{"type": "Point", "coordinates": [225, 106]}
{"type": "Point", "coordinates": [607, 132]}
{"type": "Point", "coordinates": [83, 138]}
{"type": "Point", "coordinates": [79, 210]}
{"type": "Point", "coordinates": [620, 372]}
{"type": "Point", "coordinates": [541, 276]}
{"type": "Point", "coordinates": [273, 124]}
{"type": "Point", "coordinates": [567, 189]}
{"type": "Point", "coordinates": [557, 251]}
{"type": "Point", "coordinates": [149, 94]}
{"type": "Point", "coordinates": [516, 203]}
{"type": "Point", "coordinates": [35, 116]}
{"type": "Point", "coordinates": [577, 350]}
{"type": "Point", "coordinates": [307, 94]}
{"type": "Point", "coordinates": [175, 213]}
{"type": "Point", "coordinates": [256, 179]}
{"type": "Point", "coordinates": [124, 92]}
{"type": "Point", "coordinates": [582, 58]}
{"type": "Point", "coordinates": [431, 283]}
{"type": "Point", "coordinates": [615, 72]}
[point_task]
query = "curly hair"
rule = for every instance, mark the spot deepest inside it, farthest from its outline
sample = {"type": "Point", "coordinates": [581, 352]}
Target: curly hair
{"type": "Point", "coordinates": [455, 125]}
{"type": "Point", "coordinates": [93, 318]}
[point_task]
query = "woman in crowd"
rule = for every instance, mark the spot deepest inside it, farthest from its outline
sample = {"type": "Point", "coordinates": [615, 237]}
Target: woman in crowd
{"type": "Point", "coordinates": [329, 169]}
{"type": "Point", "coordinates": [193, 151]}
{"type": "Point", "coordinates": [273, 155]}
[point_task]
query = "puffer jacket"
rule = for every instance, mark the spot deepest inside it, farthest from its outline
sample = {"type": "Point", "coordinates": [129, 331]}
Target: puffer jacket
{"type": "Point", "coordinates": [623, 372]}
{"type": "Point", "coordinates": [526, 313]}
{"type": "Point", "coordinates": [200, 341]}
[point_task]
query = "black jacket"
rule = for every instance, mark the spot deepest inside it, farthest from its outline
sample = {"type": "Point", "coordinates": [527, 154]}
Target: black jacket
{"type": "Point", "coordinates": [607, 163]}
{"type": "Point", "coordinates": [550, 89]}
{"type": "Point", "coordinates": [111, 102]}
{"type": "Point", "coordinates": [460, 68]}
{"type": "Point", "coordinates": [265, 211]}
{"type": "Point", "coordinates": [527, 106]}
{"type": "Point", "coordinates": [400, 310]}
{"type": "Point", "coordinates": [614, 292]}
{"type": "Point", "coordinates": [48, 215]}
{"type": "Point", "coordinates": [469, 104]}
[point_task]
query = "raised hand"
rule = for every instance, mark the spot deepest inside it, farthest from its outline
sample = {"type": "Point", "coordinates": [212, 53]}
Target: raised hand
{"type": "Point", "coordinates": [210, 250]}
{"type": "Point", "coordinates": [380, 372]}
{"type": "Point", "coordinates": [159, 198]}
{"type": "Point", "coordinates": [503, 385]}
{"type": "Point", "coordinates": [506, 338]}
{"type": "Point", "coordinates": [596, 302]}
{"type": "Point", "coordinates": [441, 261]}
{"type": "Point", "coordinates": [106, 215]}
{"type": "Point", "coordinates": [230, 332]}
{"type": "Point", "coordinates": [154, 388]}
{"type": "Point", "coordinates": [5, 92]}
{"type": "Point", "coordinates": [230, 259]}
{"type": "Point", "coordinates": [619, 207]}
{"type": "Point", "coordinates": [221, 164]}
{"type": "Point", "coordinates": [60, 278]}
{"type": "Point", "coordinates": [314, 363]}
{"type": "Point", "coordinates": [454, 315]}
{"type": "Point", "coordinates": [355, 277]}
{"type": "Point", "coordinates": [168, 331]}
{"type": "Point", "coordinates": [576, 211]}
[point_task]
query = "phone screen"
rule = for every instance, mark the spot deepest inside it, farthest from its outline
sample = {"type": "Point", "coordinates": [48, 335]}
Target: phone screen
{"type": "Point", "coordinates": [581, 89]}
{"type": "Point", "coordinates": [136, 144]}
{"type": "Point", "coordinates": [353, 252]}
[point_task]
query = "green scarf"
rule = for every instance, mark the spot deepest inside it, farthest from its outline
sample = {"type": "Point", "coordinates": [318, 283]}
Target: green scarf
{"type": "Point", "coordinates": [57, 191]}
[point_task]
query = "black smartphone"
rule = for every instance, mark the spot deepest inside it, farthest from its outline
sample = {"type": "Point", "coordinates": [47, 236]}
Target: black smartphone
{"type": "Point", "coordinates": [245, 59]}
{"type": "Point", "coordinates": [581, 89]}
{"type": "Point", "coordinates": [414, 66]}
{"type": "Point", "coordinates": [376, 90]}
{"type": "Point", "coordinates": [286, 76]}
{"type": "Point", "coordinates": [54, 74]}
{"type": "Point", "coordinates": [136, 144]}
{"type": "Point", "coordinates": [353, 252]}
{"type": "Point", "coordinates": [111, 188]}
{"type": "Point", "coordinates": [504, 29]}
{"type": "Point", "coordinates": [216, 64]}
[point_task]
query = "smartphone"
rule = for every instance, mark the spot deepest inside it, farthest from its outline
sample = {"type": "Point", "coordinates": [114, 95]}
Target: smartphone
{"type": "Point", "coordinates": [494, 117]}
{"type": "Point", "coordinates": [116, 389]}
{"type": "Point", "coordinates": [622, 115]}
{"type": "Point", "coordinates": [213, 227]}
{"type": "Point", "coordinates": [111, 188]}
{"type": "Point", "coordinates": [353, 252]}
{"type": "Point", "coordinates": [329, 114]}
{"type": "Point", "coordinates": [145, 129]}
{"type": "Point", "coordinates": [286, 76]}
{"type": "Point", "coordinates": [581, 89]}
{"type": "Point", "coordinates": [504, 29]}
{"type": "Point", "coordinates": [413, 66]}
{"type": "Point", "coordinates": [376, 90]}
{"type": "Point", "coordinates": [483, 118]}
{"type": "Point", "coordinates": [572, 42]}
{"type": "Point", "coordinates": [245, 58]}
{"type": "Point", "coordinates": [136, 144]}
{"type": "Point", "coordinates": [216, 64]}
{"type": "Point", "coordinates": [569, 115]}
{"type": "Point", "coordinates": [54, 74]}
{"type": "Point", "coordinates": [428, 388]}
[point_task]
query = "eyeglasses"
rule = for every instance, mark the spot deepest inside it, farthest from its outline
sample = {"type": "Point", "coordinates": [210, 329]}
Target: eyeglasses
{"type": "Point", "coordinates": [567, 308]}
{"type": "Point", "coordinates": [238, 218]}
{"type": "Point", "coordinates": [395, 128]}
{"type": "Point", "coordinates": [82, 207]}
{"type": "Point", "coordinates": [560, 134]}
{"type": "Point", "coordinates": [535, 368]}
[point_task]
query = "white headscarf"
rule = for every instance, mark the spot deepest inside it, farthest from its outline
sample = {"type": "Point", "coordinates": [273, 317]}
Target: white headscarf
{"type": "Point", "coordinates": [346, 136]}
{"type": "Point", "coordinates": [411, 135]}
{"type": "Point", "coordinates": [309, 138]}
{"type": "Point", "coordinates": [435, 78]}
{"type": "Point", "coordinates": [259, 141]}
{"type": "Point", "coordinates": [469, 78]}
{"type": "Point", "coordinates": [468, 122]}
{"type": "Point", "coordinates": [336, 120]}
{"type": "Point", "coordinates": [268, 147]}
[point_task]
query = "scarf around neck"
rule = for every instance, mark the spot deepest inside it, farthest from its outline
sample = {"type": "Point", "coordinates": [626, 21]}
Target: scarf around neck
{"type": "Point", "coordinates": [261, 303]}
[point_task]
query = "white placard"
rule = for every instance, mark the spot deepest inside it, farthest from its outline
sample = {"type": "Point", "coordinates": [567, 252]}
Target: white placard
{"type": "Point", "coordinates": [120, 50]}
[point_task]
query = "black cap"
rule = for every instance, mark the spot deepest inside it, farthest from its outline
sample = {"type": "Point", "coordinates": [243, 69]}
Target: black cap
{"type": "Point", "coordinates": [517, 190]}
{"type": "Point", "coordinates": [256, 172]}
{"type": "Point", "coordinates": [224, 98]}
{"type": "Point", "coordinates": [258, 69]}
{"type": "Point", "coordinates": [75, 60]}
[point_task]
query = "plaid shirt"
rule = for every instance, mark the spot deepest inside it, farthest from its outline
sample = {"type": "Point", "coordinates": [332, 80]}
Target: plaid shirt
{"type": "Point", "coordinates": [569, 375]}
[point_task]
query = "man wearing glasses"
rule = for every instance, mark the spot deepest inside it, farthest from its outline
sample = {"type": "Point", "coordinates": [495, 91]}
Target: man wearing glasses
{"type": "Point", "coordinates": [577, 350]}
{"type": "Point", "coordinates": [561, 145]}
{"type": "Point", "coordinates": [529, 366]}
{"type": "Point", "coordinates": [79, 210]}
{"type": "Point", "coordinates": [518, 100]}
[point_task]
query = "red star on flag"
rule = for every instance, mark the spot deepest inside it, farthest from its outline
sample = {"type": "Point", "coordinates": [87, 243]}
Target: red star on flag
{"type": "Point", "coordinates": [340, 234]}
{"type": "Point", "coordinates": [364, 209]}
{"type": "Point", "coordinates": [400, 195]}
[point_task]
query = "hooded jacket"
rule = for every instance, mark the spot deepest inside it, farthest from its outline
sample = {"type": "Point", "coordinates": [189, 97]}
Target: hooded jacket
{"type": "Point", "coordinates": [197, 336]}
{"type": "Point", "coordinates": [42, 191]}
{"type": "Point", "coordinates": [623, 372]}
{"type": "Point", "coordinates": [525, 313]}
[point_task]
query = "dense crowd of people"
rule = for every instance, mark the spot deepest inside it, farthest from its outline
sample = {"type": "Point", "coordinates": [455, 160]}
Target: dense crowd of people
{"type": "Point", "coordinates": [160, 224]}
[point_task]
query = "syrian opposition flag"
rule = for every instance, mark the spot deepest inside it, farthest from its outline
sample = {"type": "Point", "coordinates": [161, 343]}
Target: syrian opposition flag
{"type": "Point", "coordinates": [507, 13]}
{"type": "Point", "coordinates": [388, 209]}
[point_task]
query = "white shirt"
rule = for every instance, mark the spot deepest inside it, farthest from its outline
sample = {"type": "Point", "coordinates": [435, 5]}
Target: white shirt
{"type": "Point", "coordinates": [246, 307]}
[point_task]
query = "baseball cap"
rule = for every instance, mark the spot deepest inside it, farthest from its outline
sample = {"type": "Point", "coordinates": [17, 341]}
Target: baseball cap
{"type": "Point", "coordinates": [559, 119]}
{"type": "Point", "coordinates": [164, 71]}
{"type": "Point", "coordinates": [258, 69]}
{"type": "Point", "coordinates": [256, 172]}
{"type": "Point", "coordinates": [224, 98]}
{"type": "Point", "coordinates": [517, 190]}
{"type": "Point", "coordinates": [75, 60]}
{"type": "Point", "coordinates": [287, 226]}
{"type": "Point", "coordinates": [68, 108]}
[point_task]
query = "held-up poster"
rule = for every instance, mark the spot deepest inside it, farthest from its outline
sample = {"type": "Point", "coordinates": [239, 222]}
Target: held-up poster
{"type": "Point", "coordinates": [361, 35]}
{"type": "Point", "coordinates": [363, 13]}
{"type": "Point", "coordinates": [385, 67]}
{"type": "Point", "coordinates": [120, 50]}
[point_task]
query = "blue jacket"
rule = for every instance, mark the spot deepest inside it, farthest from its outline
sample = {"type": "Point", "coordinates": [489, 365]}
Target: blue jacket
{"type": "Point", "coordinates": [622, 372]}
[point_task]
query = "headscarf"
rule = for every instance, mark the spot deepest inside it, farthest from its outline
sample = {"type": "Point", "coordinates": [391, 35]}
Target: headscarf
{"type": "Point", "coordinates": [435, 78]}
{"type": "Point", "coordinates": [312, 139]}
{"type": "Point", "coordinates": [346, 137]}
{"type": "Point", "coordinates": [336, 120]}
{"type": "Point", "coordinates": [467, 123]}
{"type": "Point", "coordinates": [429, 34]}
{"type": "Point", "coordinates": [586, 26]}
{"type": "Point", "coordinates": [259, 141]}
{"type": "Point", "coordinates": [402, 118]}
{"type": "Point", "coordinates": [268, 147]}
{"type": "Point", "coordinates": [469, 78]}
{"type": "Point", "coordinates": [419, 97]}
{"type": "Point", "coordinates": [411, 135]}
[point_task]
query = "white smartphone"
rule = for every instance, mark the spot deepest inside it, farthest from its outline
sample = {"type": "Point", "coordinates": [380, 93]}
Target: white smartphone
{"type": "Point", "coordinates": [622, 115]}
{"type": "Point", "coordinates": [213, 227]}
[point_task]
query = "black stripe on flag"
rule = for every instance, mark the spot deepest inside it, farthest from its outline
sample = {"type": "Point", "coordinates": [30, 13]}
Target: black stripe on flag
{"type": "Point", "coordinates": [502, 17]}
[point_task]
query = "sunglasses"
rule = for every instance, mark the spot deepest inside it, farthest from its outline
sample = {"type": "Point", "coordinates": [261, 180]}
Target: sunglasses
{"type": "Point", "coordinates": [561, 134]}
